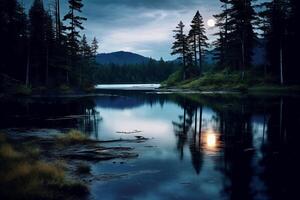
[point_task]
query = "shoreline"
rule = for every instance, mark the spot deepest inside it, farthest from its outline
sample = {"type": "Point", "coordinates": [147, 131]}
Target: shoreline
{"type": "Point", "coordinates": [96, 92]}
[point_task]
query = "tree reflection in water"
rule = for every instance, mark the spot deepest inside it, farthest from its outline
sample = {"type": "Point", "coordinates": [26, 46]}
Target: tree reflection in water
{"type": "Point", "coordinates": [250, 143]}
{"type": "Point", "coordinates": [256, 162]}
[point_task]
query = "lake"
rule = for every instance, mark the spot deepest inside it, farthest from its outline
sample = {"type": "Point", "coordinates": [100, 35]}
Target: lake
{"type": "Point", "coordinates": [128, 86]}
{"type": "Point", "coordinates": [199, 146]}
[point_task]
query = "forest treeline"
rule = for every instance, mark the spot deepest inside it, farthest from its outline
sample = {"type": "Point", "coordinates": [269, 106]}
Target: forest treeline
{"type": "Point", "coordinates": [43, 49]}
{"type": "Point", "coordinates": [242, 26]}
{"type": "Point", "coordinates": [152, 71]}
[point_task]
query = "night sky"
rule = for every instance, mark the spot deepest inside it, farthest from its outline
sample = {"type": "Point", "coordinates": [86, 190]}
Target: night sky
{"type": "Point", "coordinates": [140, 26]}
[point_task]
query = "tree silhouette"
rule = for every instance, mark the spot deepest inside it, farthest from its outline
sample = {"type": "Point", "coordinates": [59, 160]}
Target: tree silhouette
{"type": "Point", "coordinates": [73, 28]}
{"type": "Point", "coordinates": [180, 46]}
{"type": "Point", "coordinates": [236, 37]}
{"type": "Point", "coordinates": [199, 37]}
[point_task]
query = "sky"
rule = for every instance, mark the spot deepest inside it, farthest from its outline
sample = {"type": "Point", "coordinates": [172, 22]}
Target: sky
{"type": "Point", "coordinates": [139, 26]}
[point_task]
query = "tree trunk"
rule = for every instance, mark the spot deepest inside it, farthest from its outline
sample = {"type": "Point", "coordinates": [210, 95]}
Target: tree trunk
{"type": "Point", "coordinates": [47, 66]}
{"type": "Point", "coordinates": [243, 59]}
{"type": "Point", "coordinates": [184, 120]}
{"type": "Point", "coordinates": [195, 50]}
{"type": "Point", "coordinates": [281, 65]}
{"type": "Point", "coordinates": [67, 77]}
{"type": "Point", "coordinates": [28, 65]}
{"type": "Point", "coordinates": [200, 124]}
{"type": "Point", "coordinates": [200, 55]}
{"type": "Point", "coordinates": [57, 19]}
{"type": "Point", "coordinates": [196, 115]}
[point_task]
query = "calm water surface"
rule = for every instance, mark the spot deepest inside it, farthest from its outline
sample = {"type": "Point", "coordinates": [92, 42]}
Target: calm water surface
{"type": "Point", "coordinates": [199, 147]}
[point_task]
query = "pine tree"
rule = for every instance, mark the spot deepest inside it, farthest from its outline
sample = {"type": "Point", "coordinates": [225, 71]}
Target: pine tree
{"type": "Point", "coordinates": [236, 38]}
{"type": "Point", "coordinates": [49, 45]}
{"type": "Point", "coordinates": [221, 44]}
{"type": "Point", "coordinates": [180, 46]}
{"type": "Point", "coordinates": [72, 32]}
{"type": "Point", "coordinates": [199, 35]}
{"type": "Point", "coordinates": [13, 39]}
{"type": "Point", "coordinates": [94, 47]}
{"type": "Point", "coordinates": [274, 26]}
{"type": "Point", "coordinates": [292, 56]}
{"type": "Point", "coordinates": [241, 36]}
{"type": "Point", "coordinates": [38, 41]}
{"type": "Point", "coordinates": [75, 25]}
{"type": "Point", "coordinates": [86, 55]}
{"type": "Point", "coordinates": [85, 49]}
{"type": "Point", "coordinates": [192, 41]}
{"type": "Point", "coordinates": [57, 19]}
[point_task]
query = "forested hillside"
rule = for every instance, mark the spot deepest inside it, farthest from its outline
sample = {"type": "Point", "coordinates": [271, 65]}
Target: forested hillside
{"type": "Point", "coordinates": [249, 32]}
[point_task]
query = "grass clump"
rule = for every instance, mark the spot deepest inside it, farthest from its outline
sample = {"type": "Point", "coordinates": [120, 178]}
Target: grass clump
{"type": "Point", "coordinates": [25, 178]}
{"type": "Point", "coordinates": [73, 136]}
{"type": "Point", "coordinates": [7, 152]}
{"type": "Point", "coordinates": [64, 88]}
{"type": "Point", "coordinates": [22, 90]}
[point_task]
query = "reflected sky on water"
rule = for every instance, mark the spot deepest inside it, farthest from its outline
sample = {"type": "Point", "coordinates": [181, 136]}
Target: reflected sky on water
{"type": "Point", "coordinates": [199, 147]}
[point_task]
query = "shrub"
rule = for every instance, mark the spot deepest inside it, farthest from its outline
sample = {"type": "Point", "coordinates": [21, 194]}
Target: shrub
{"type": "Point", "coordinates": [64, 88]}
{"type": "Point", "coordinates": [173, 79]}
{"type": "Point", "coordinates": [22, 90]}
{"type": "Point", "coordinates": [73, 136]}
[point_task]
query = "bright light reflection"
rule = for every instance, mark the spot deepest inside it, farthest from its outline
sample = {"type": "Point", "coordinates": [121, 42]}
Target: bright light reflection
{"type": "Point", "coordinates": [211, 140]}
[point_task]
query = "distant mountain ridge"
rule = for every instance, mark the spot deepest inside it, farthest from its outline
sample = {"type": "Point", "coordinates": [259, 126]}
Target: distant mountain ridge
{"type": "Point", "coordinates": [129, 58]}
{"type": "Point", "coordinates": [121, 58]}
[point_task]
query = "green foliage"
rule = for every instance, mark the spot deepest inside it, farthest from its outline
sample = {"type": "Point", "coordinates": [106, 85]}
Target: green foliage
{"type": "Point", "coordinates": [151, 72]}
{"type": "Point", "coordinates": [22, 90]}
{"type": "Point", "coordinates": [223, 80]}
{"type": "Point", "coordinates": [64, 88]}
{"type": "Point", "coordinates": [173, 79]}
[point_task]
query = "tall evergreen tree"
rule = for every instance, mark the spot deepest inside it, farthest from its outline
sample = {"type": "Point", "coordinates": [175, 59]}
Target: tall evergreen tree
{"type": "Point", "coordinates": [85, 49]}
{"type": "Point", "coordinates": [38, 43]}
{"type": "Point", "coordinates": [192, 41]}
{"type": "Point", "coordinates": [57, 19]}
{"type": "Point", "coordinates": [274, 27]}
{"type": "Point", "coordinates": [236, 36]}
{"type": "Point", "coordinates": [75, 25]}
{"type": "Point", "coordinates": [241, 35]}
{"type": "Point", "coordinates": [49, 45]}
{"type": "Point", "coordinates": [13, 39]}
{"type": "Point", "coordinates": [293, 40]}
{"type": "Point", "coordinates": [199, 35]}
{"type": "Point", "coordinates": [72, 31]}
{"type": "Point", "coordinates": [94, 47]}
{"type": "Point", "coordinates": [180, 46]}
{"type": "Point", "coordinates": [221, 44]}
{"type": "Point", "coordinates": [86, 55]}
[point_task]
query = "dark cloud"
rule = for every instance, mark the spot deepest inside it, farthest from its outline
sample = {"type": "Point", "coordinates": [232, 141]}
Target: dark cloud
{"type": "Point", "coordinates": [155, 4]}
{"type": "Point", "coordinates": [141, 26]}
